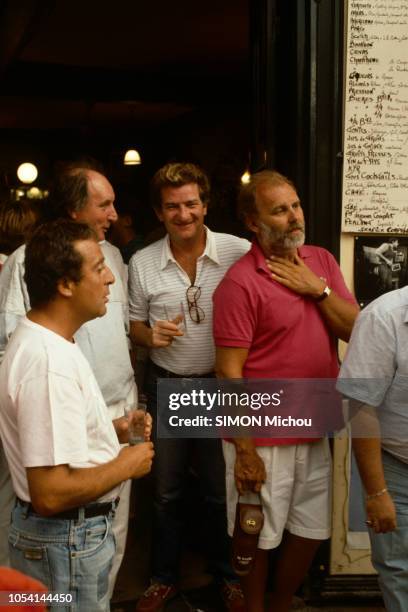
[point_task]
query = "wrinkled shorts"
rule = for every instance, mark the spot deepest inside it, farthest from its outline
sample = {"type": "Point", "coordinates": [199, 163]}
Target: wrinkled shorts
{"type": "Point", "coordinates": [296, 495]}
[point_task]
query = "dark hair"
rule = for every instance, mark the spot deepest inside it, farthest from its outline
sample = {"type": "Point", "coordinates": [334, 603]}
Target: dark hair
{"type": "Point", "coordinates": [177, 175]}
{"type": "Point", "coordinates": [18, 220]}
{"type": "Point", "coordinates": [51, 256]}
{"type": "Point", "coordinates": [247, 194]}
{"type": "Point", "coordinates": [69, 189]}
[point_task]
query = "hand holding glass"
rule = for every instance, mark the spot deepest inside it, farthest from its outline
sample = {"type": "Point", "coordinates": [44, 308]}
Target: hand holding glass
{"type": "Point", "coordinates": [136, 416]}
{"type": "Point", "coordinates": [175, 314]}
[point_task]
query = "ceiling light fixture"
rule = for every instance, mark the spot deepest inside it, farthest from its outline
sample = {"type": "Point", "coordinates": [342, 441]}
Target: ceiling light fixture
{"type": "Point", "coordinates": [246, 177]}
{"type": "Point", "coordinates": [34, 193]}
{"type": "Point", "coordinates": [27, 173]}
{"type": "Point", "coordinates": [132, 158]}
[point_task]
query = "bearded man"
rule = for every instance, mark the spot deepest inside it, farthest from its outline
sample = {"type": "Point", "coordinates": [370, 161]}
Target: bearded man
{"type": "Point", "coordinates": [277, 314]}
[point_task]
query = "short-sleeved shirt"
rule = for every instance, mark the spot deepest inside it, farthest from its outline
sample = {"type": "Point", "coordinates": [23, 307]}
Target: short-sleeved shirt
{"type": "Point", "coordinates": [156, 280]}
{"type": "Point", "coordinates": [284, 332]}
{"type": "Point", "coordinates": [375, 368]}
{"type": "Point", "coordinates": [51, 409]}
{"type": "Point", "coordinates": [103, 341]}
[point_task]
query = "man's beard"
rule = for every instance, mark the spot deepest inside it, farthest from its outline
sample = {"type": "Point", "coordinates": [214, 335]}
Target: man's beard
{"type": "Point", "coordinates": [277, 240]}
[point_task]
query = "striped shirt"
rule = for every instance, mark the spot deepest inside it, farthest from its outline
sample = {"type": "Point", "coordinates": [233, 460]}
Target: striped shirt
{"type": "Point", "coordinates": [157, 281]}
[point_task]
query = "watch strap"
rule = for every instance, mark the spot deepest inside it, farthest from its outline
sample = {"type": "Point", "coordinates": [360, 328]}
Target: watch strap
{"type": "Point", "coordinates": [324, 295]}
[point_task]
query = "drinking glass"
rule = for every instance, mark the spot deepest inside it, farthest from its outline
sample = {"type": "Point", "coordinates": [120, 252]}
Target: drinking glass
{"type": "Point", "coordinates": [175, 311]}
{"type": "Point", "coordinates": [136, 416]}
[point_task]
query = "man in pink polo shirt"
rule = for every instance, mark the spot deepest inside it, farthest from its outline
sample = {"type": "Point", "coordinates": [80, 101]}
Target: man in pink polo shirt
{"type": "Point", "coordinates": [277, 314]}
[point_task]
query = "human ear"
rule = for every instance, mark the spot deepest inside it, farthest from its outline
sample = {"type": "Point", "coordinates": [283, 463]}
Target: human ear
{"type": "Point", "coordinates": [251, 224]}
{"type": "Point", "coordinates": [65, 287]}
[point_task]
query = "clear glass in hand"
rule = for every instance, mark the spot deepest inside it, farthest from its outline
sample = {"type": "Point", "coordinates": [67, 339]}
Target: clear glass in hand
{"type": "Point", "coordinates": [176, 314]}
{"type": "Point", "coordinates": [136, 416]}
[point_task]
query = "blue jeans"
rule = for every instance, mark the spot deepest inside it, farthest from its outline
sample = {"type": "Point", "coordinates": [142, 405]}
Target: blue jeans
{"type": "Point", "coordinates": [66, 556]}
{"type": "Point", "coordinates": [170, 471]}
{"type": "Point", "coordinates": [390, 550]}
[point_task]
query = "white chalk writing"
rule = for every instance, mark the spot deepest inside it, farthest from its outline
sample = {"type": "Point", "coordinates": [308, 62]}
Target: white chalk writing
{"type": "Point", "coordinates": [375, 171]}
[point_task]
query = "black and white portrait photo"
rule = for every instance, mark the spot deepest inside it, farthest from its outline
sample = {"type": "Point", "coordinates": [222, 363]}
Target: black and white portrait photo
{"type": "Point", "coordinates": [380, 265]}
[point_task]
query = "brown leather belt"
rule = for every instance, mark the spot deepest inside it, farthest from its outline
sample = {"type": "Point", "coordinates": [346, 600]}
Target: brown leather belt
{"type": "Point", "coordinates": [90, 510]}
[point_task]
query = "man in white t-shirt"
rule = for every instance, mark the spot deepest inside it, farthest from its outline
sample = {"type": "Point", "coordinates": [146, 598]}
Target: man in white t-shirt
{"type": "Point", "coordinates": [181, 271]}
{"type": "Point", "coordinates": [81, 192]}
{"type": "Point", "coordinates": [63, 451]}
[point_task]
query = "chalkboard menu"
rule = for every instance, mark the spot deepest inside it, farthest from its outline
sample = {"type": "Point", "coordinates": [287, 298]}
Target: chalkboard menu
{"type": "Point", "coordinates": [375, 171]}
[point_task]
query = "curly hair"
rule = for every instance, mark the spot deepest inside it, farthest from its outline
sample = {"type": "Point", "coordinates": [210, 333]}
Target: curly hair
{"type": "Point", "coordinates": [177, 175]}
{"type": "Point", "coordinates": [51, 256]}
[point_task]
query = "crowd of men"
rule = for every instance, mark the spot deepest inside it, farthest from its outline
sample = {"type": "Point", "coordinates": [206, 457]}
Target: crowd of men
{"type": "Point", "coordinates": [70, 313]}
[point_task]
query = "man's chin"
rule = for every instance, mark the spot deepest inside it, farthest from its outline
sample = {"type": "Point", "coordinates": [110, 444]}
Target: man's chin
{"type": "Point", "coordinates": [281, 246]}
{"type": "Point", "coordinates": [186, 233]}
{"type": "Point", "coordinates": [101, 312]}
{"type": "Point", "coordinates": [295, 241]}
{"type": "Point", "coordinates": [100, 233]}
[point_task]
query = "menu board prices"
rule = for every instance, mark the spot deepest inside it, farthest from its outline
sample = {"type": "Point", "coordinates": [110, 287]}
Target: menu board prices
{"type": "Point", "coordinates": [375, 170]}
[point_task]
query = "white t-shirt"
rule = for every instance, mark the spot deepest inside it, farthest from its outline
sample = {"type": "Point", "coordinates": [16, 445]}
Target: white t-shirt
{"type": "Point", "coordinates": [103, 341]}
{"type": "Point", "coordinates": [156, 280]}
{"type": "Point", "coordinates": [51, 409]}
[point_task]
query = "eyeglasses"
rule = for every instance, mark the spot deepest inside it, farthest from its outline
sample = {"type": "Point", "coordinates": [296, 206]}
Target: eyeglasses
{"type": "Point", "coordinates": [195, 311]}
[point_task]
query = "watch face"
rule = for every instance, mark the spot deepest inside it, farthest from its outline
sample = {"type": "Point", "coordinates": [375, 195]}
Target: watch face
{"type": "Point", "coordinates": [324, 295]}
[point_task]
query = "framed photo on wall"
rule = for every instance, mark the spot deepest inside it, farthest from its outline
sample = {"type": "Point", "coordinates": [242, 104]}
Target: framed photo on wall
{"type": "Point", "coordinates": [380, 265]}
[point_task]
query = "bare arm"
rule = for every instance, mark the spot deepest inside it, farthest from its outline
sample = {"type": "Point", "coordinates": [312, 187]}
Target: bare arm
{"type": "Point", "coordinates": [387, 261]}
{"type": "Point", "coordinates": [57, 488]}
{"type": "Point", "coordinates": [158, 336]}
{"type": "Point", "coordinates": [380, 509]}
{"type": "Point", "coordinates": [297, 276]}
{"type": "Point", "coordinates": [249, 467]}
{"type": "Point", "coordinates": [383, 248]}
{"type": "Point", "coordinates": [339, 315]}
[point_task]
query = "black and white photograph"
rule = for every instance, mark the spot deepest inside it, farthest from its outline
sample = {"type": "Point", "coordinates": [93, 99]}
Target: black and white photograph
{"type": "Point", "coordinates": [380, 265]}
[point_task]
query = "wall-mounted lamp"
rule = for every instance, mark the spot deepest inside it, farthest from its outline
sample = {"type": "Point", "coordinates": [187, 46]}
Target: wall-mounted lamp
{"type": "Point", "coordinates": [132, 158]}
{"type": "Point", "coordinates": [246, 177]}
{"type": "Point", "coordinates": [27, 173]}
{"type": "Point", "coordinates": [34, 193]}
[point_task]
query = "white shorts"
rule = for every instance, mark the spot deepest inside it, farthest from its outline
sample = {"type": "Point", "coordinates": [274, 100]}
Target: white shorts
{"type": "Point", "coordinates": [296, 495]}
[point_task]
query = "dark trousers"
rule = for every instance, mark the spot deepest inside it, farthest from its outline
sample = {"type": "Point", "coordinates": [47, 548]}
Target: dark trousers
{"type": "Point", "coordinates": [170, 473]}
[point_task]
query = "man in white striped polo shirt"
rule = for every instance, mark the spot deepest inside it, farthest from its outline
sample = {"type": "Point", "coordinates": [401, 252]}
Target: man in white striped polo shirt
{"type": "Point", "coordinates": [184, 267]}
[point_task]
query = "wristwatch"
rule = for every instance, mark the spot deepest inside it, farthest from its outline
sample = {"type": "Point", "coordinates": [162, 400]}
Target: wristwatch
{"type": "Point", "coordinates": [324, 295]}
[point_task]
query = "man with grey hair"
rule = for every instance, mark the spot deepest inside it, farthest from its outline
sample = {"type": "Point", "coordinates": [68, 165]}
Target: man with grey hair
{"type": "Point", "coordinates": [277, 314]}
{"type": "Point", "coordinates": [81, 192]}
